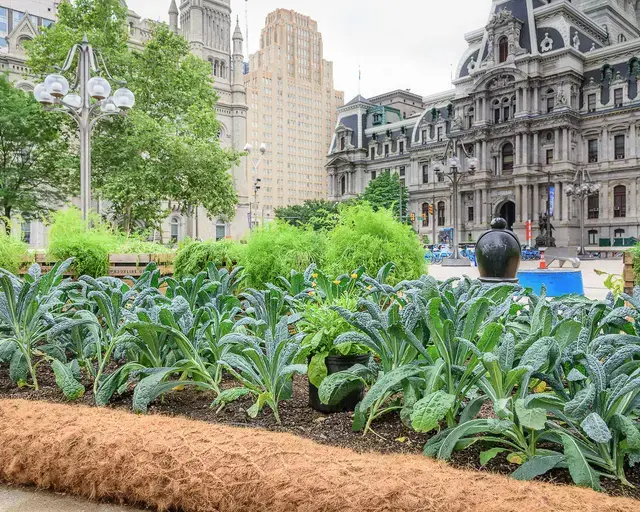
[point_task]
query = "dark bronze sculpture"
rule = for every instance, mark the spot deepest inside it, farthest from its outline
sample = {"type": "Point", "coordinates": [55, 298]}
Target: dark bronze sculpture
{"type": "Point", "coordinates": [545, 239]}
{"type": "Point", "coordinates": [498, 253]}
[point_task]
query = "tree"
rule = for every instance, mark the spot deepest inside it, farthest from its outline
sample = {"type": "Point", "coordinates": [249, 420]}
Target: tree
{"type": "Point", "coordinates": [384, 192]}
{"type": "Point", "coordinates": [167, 148]}
{"type": "Point", "coordinates": [318, 214]}
{"type": "Point", "coordinates": [37, 170]}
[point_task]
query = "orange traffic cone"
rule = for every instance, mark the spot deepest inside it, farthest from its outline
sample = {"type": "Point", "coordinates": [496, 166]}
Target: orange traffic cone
{"type": "Point", "coordinates": [543, 265]}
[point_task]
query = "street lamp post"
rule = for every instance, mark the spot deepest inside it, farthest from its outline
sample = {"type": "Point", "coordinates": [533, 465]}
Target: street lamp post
{"type": "Point", "coordinates": [56, 95]}
{"type": "Point", "coordinates": [583, 186]}
{"type": "Point", "coordinates": [455, 174]}
{"type": "Point", "coordinates": [256, 181]}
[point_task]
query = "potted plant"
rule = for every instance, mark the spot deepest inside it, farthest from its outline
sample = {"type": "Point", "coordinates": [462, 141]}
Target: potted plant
{"type": "Point", "coordinates": [322, 325]}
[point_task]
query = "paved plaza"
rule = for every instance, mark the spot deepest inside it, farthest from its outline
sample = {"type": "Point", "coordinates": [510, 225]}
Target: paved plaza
{"type": "Point", "coordinates": [19, 499]}
{"type": "Point", "coordinates": [593, 283]}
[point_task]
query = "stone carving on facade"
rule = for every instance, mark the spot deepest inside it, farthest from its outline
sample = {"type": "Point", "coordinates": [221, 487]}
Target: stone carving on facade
{"type": "Point", "coordinates": [503, 24]}
{"type": "Point", "coordinates": [471, 67]}
{"type": "Point", "coordinates": [546, 45]}
{"type": "Point", "coordinates": [593, 47]}
{"type": "Point", "coordinates": [501, 81]}
{"type": "Point", "coordinates": [576, 41]}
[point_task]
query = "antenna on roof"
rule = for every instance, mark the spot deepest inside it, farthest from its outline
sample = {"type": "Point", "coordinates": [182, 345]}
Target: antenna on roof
{"type": "Point", "coordinates": [359, 78]}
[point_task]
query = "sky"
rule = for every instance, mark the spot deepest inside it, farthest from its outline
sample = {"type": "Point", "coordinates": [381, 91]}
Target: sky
{"type": "Point", "coordinates": [401, 44]}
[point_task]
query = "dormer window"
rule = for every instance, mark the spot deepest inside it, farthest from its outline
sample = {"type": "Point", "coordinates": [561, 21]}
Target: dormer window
{"type": "Point", "coordinates": [503, 49]}
{"type": "Point", "coordinates": [377, 118]}
{"type": "Point", "coordinates": [343, 143]}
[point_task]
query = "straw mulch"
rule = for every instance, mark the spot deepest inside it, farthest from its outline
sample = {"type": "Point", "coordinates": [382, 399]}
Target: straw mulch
{"type": "Point", "coordinates": [178, 464]}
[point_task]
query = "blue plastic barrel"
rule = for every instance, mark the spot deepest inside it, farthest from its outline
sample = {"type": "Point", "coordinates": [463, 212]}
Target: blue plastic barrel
{"type": "Point", "coordinates": [558, 282]}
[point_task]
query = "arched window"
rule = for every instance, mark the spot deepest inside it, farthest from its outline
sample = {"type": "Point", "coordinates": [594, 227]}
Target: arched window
{"type": "Point", "coordinates": [550, 100]}
{"type": "Point", "coordinates": [470, 117]}
{"type": "Point", "coordinates": [215, 68]}
{"type": "Point", "coordinates": [503, 49]}
{"type": "Point", "coordinates": [26, 232]}
{"type": "Point", "coordinates": [425, 214]}
{"type": "Point", "coordinates": [343, 185]}
{"type": "Point", "coordinates": [620, 201]}
{"type": "Point", "coordinates": [221, 231]}
{"type": "Point", "coordinates": [513, 106]}
{"type": "Point", "coordinates": [175, 230]}
{"type": "Point", "coordinates": [593, 237]}
{"type": "Point", "coordinates": [506, 109]}
{"type": "Point", "coordinates": [507, 158]}
{"type": "Point", "coordinates": [496, 111]}
{"type": "Point", "coordinates": [441, 217]}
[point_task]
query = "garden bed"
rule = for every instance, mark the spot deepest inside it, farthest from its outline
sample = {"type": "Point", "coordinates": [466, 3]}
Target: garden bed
{"type": "Point", "coordinates": [390, 435]}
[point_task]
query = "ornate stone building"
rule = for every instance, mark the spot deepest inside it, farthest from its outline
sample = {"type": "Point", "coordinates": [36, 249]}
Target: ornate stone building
{"type": "Point", "coordinates": [544, 89]}
{"type": "Point", "coordinates": [206, 25]}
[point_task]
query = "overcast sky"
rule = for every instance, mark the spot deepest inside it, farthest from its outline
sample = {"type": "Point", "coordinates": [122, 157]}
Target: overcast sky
{"type": "Point", "coordinates": [401, 44]}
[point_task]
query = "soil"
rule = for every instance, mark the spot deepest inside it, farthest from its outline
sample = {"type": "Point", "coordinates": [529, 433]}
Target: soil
{"type": "Point", "coordinates": [389, 435]}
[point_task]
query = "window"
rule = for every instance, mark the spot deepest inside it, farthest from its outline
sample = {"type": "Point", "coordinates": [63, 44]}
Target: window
{"type": "Point", "coordinates": [17, 16]}
{"type": "Point", "coordinates": [549, 156]}
{"type": "Point", "coordinates": [401, 171]}
{"type": "Point", "coordinates": [386, 150]}
{"type": "Point", "coordinates": [439, 133]}
{"type": "Point", "coordinates": [425, 215]}
{"type": "Point", "coordinates": [591, 103]}
{"type": "Point", "coordinates": [593, 150]}
{"type": "Point", "coordinates": [496, 115]}
{"type": "Point", "coordinates": [441, 219]}
{"type": "Point", "coordinates": [618, 233]}
{"type": "Point", "coordinates": [440, 177]}
{"type": "Point", "coordinates": [401, 148]}
{"type": "Point", "coordinates": [374, 174]}
{"type": "Point", "coordinates": [175, 230]}
{"type": "Point", "coordinates": [4, 27]}
{"type": "Point", "coordinates": [343, 185]}
{"type": "Point", "coordinates": [221, 232]}
{"type": "Point", "coordinates": [424, 136]}
{"type": "Point", "coordinates": [505, 116]}
{"type": "Point", "coordinates": [425, 174]}
{"type": "Point", "coordinates": [593, 237]}
{"type": "Point", "coordinates": [26, 232]}
{"type": "Point", "coordinates": [620, 201]}
{"type": "Point", "coordinates": [470, 117]}
{"type": "Point", "coordinates": [617, 97]}
{"type": "Point", "coordinates": [550, 103]}
{"type": "Point", "coordinates": [507, 157]}
{"type": "Point", "coordinates": [46, 23]}
{"type": "Point", "coordinates": [619, 146]}
{"type": "Point", "coordinates": [503, 49]}
{"type": "Point", "coordinates": [343, 143]}
{"type": "Point", "coordinates": [470, 214]}
{"type": "Point", "coordinates": [593, 207]}
{"type": "Point", "coordinates": [373, 153]}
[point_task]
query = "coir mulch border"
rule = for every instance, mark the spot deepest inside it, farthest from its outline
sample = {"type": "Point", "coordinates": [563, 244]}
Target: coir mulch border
{"type": "Point", "coordinates": [179, 464]}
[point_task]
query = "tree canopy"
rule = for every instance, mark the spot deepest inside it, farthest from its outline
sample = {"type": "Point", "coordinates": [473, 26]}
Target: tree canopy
{"type": "Point", "coordinates": [318, 214]}
{"type": "Point", "coordinates": [167, 148]}
{"type": "Point", "coordinates": [37, 169]}
{"type": "Point", "coordinates": [384, 192]}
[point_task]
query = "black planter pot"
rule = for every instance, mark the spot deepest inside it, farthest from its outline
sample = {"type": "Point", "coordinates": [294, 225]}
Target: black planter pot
{"type": "Point", "coordinates": [498, 254]}
{"type": "Point", "coordinates": [337, 364]}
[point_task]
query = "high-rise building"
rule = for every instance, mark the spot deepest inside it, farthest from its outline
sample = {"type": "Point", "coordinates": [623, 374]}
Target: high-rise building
{"type": "Point", "coordinates": [292, 108]}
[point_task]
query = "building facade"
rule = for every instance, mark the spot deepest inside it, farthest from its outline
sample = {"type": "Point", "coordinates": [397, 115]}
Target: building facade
{"type": "Point", "coordinates": [545, 89]}
{"type": "Point", "coordinates": [206, 25]}
{"type": "Point", "coordinates": [292, 110]}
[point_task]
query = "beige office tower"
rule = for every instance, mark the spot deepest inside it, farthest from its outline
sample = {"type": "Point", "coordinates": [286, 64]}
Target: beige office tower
{"type": "Point", "coordinates": [292, 109]}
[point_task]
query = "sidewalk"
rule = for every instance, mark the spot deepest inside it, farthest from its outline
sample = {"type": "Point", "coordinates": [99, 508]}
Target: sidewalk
{"type": "Point", "coordinates": [20, 499]}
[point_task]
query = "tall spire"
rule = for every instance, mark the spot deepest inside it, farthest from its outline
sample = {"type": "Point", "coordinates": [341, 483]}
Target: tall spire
{"type": "Point", "coordinates": [237, 34]}
{"type": "Point", "coordinates": [174, 8]}
{"type": "Point", "coordinates": [173, 16]}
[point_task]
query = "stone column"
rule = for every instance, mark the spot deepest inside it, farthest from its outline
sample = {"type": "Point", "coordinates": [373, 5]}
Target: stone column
{"type": "Point", "coordinates": [536, 148]}
{"type": "Point", "coordinates": [518, 204]}
{"type": "Point", "coordinates": [632, 140]}
{"type": "Point", "coordinates": [536, 99]}
{"type": "Point", "coordinates": [557, 148]}
{"type": "Point", "coordinates": [484, 205]}
{"type": "Point", "coordinates": [525, 203]}
{"type": "Point", "coordinates": [605, 212]}
{"type": "Point", "coordinates": [536, 202]}
{"type": "Point", "coordinates": [565, 144]}
{"type": "Point", "coordinates": [565, 205]}
{"type": "Point", "coordinates": [605, 146]}
{"type": "Point", "coordinates": [525, 105]}
{"type": "Point", "coordinates": [525, 149]}
{"type": "Point", "coordinates": [518, 149]}
{"type": "Point", "coordinates": [485, 156]}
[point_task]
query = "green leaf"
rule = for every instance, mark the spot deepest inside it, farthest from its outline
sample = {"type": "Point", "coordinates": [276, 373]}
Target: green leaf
{"type": "Point", "coordinates": [387, 383]}
{"type": "Point", "coordinates": [596, 428]}
{"type": "Point", "coordinates": [359, 419]}
{"type": "Point", "coordinates": [338, 385]}
{"type": "Point", "coordinates": [579, 468]}
{"type": "Point", "coordinates": [501, 407]}
{"type": "Point", "coordinates": [65, 380]}
{"type": "Point", "coordinates": [629, 430]}
{"type": "Point", "coordinates": [596, 372]}
{"type": "Point", "coordinates": [536, 466]}
{"type": "Point", "coordinates": [579, 407]}
{"type": "Point", "coordinates": [542, 354]}
{"type": "Point", "coordinates": [18, 369]}
{"type": "Point", "coordinates": [255, 409]}
{"type": "Point", "coordinates": [149, 388]}
{"type": "Point", "coordinates": [230, 395]}
{"type": "Point", "coordinates": [530, 418]}
{"type": "Point", "coordinates": [470, 428]}
{"type": "Point", "coordinates": [7, 348]}
{"type": "Point", "coordinates": [576, 375]}
{"type": "Point", "coordinates": [429, 412]}
{"type": "Point", "coordinates": [472, 409]}
{"type": "Point", "coordinates": [487, 455]}
{"type": "Point", "coordinates": [318, 368]}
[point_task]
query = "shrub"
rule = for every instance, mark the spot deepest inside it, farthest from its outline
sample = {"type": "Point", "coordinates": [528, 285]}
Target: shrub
{"type": "Point", "coordinates": [277, 248]}
{"type": "Point", "coordinates": [12, 252]}
{"type": "Point", "coordinates": [369, 239]}
{"type": "Point", "coordinates": [193, 257]}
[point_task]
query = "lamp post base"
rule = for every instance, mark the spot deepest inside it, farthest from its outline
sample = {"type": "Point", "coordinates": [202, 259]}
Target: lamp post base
{"type": "Point", "coordinates": [453, 262]}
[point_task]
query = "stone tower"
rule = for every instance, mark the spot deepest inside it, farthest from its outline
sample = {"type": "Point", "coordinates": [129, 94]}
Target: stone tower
{"type": "Point", "coordinates": [206, 25]}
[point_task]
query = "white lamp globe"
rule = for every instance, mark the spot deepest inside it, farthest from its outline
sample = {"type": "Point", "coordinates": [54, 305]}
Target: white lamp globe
{"type": "Point", "coordinates": [248, 147]}
{"type": "Point", "coordinates": [38, 90]}
{"type": "Point", "coordinates": [41, 94]}
{"type": "Point", "coordinates": [569, 190]}
{"type": "Point", "coordinates": [436, 167]}
{"type": "Point", "coordinates": [72, 100]}
{"type": "Point", "coordinates": [56, 85]}
{"type": "Point", "coordinates": [473, 163]}
{"type": "Point", "coordinates": [99, 88]}
{"type": "Point", "coordinates": [124, 99]}
{"type": "Point", "coordinates": [454, 162]}
{"type": "Point", "coordinates": [263, 148]}
{"type": "Point", "coordinates": [108, 107]}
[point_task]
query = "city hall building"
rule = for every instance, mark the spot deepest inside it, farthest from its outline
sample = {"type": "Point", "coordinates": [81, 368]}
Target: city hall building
{"type": "Point", "coordinates": [546, 88]}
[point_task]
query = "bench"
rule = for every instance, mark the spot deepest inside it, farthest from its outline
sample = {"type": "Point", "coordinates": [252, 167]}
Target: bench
{"type": "Point", "coordinates": [562, 255]}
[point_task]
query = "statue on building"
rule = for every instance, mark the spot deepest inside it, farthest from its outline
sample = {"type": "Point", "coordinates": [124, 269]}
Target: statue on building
{"type": "Point", "coordinates": [545, 238]}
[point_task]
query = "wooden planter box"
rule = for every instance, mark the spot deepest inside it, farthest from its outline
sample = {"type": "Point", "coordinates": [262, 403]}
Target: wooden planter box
{"type": "Point", "coordinates": [628, 273]}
